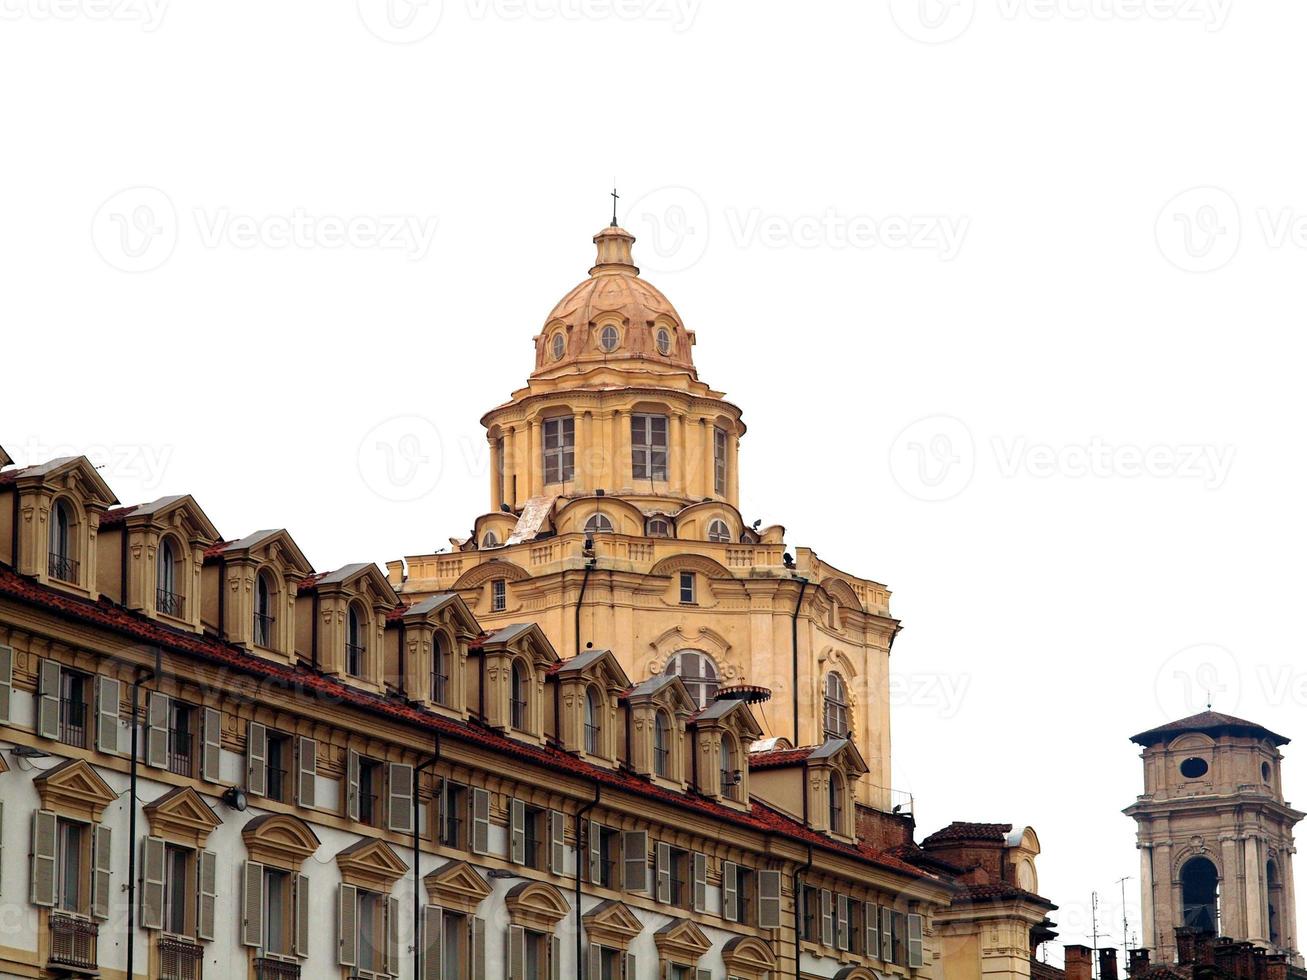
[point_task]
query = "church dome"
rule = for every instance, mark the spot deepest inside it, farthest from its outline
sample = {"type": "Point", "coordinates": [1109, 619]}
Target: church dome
{"type": "Point", "coordinates": [613, 316]}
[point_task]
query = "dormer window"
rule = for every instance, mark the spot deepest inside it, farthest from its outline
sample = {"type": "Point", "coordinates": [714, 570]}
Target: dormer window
{"type": "Point", "coordinates": [609, 338]}
{"type": "Point", "coordinates": [355, 647]}
{"type": "Point", "coordinates": [167, 598]}
{"type": "Point", "coordinates": [63, 563]}
{"type": "Point", "coordinates": [719, 532]}
{"type": "Point", "coordinates": [517, 696]}
{"type": "Point", "coordinates": [729, 774]}
{"type": "Point", "coordinates": [658, 527]}
{"type": "Point", "coordinates": [440, 669]}
{"type": "Point", "coordinates": [598, 524]}
{"type": "Point", "coordinates": [593, 713]}
{"type": "Point", "coordinates": [662, 745]}
{"type": "Point", "coordinates": [264, 617]}
{"type": "Point", "coordinates": [490, 540]}
{"type": "Point", "coordinates": [836, 803]}
{"type": "Point", "coordinates": [835, 715]}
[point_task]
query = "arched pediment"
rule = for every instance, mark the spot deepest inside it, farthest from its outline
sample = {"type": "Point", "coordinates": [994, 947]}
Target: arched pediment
{"type": "Point", "coordinates": [838, 661]}
{"type": "Point", "coordinates": [457, 885]}
{"type": "Point", "coordinates": [536, 905]}
{"type": "Point", "coordinates": [612, 923]}
{"type": "Point", "coordinates": [747, 956]}
{"type": "Point", "coordinates": [690, 563]}
{"type": "Point", "coordinates": [625, 516]}
{"type": "Point", "coordinates": [479, 575]}
{"type": "Point", "coordinates": [280, 840]}
{"type": "Point", "coordinates": [74, 788]}
{"type": "Point", "coordinates": [842, 592]}
{"type": "Point", "coordinates": [1192, 742]}
{"type": "Point", "coordinates": [855, 972]}
{"type": "Point", "coordinates": [370, 863]}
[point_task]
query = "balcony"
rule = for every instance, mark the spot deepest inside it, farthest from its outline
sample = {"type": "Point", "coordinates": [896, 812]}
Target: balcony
{"type": "Point", "coordinates": [180, 755]}
{"type": "Point", "coordinates": [72, 722]}
{"type": "Point", "coordinates": [63, 568]}
{"type": "Point", "coordinates": [269, 969]}
{"type": "Point", "coordinates": [169, 603]}
{"type": "Point", "coordinates": [72, 943]}
{"type": "Point", "coordinates": [180, 959]}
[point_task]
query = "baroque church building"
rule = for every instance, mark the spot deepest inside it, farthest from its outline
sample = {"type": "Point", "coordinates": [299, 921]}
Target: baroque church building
{"type": "Point", "coordinates": [614, 523]}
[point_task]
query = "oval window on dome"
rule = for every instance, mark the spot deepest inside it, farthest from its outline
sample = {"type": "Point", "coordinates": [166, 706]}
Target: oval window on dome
{"type": "Point", "coordinates": [557, 346]}
{"type": "Point", "coordinates": [609, 337]}
{"type": "Point", "coordinates": [664, 342]}
{"type": "Point", "coordinates": [1194, 768]}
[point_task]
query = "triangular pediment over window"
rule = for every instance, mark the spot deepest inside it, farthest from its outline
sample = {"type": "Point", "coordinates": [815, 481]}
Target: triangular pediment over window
{"type": "Point", "coordinates": [456, 885]}
{"type": "Point", "coordinates": [182, 816]}
{"type": "Point", "coordinates": [371, 864]}
{"type": "Point", "coordinates": [612, 923]}
{"type": "Point", "coordinates": [75, 789]}
{"type": "Point", "coordinates": [682, 941]}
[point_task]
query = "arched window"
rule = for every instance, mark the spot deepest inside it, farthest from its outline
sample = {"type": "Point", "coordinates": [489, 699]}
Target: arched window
{"type": "Point", "coordinates": [517, 696]}
{"type": "Point", "coordinates": [598, 524]}
{"type": "Point", "coordinates": [440, 669]}
{"type": "Point", "coordinates": [1199, 886]}
{"type": "Point", "coordinates": [264, 617]}
{"type": "Point", "coordinates": [836, 803]}
{"type": "Point", "coordinates": [662, 745]}
{"type": "Point", "coordinates": [354, 644]}
{"type": "Point", "coordinates": [698, 672]}
{"type": "Point", "coordinates": [63, 565]}
{"type": "Point", "coordinates": [592, 715]}
{"type": "Point", "coordinates": [167, 599]}
{"type": "Point", "coordinates": [719, 532]}
{"type": "Point", "coordinates": [730, 775]}
{"type": "Point", "coordinates": [1274, 892]}
{"type": "Point", "coordinates": [835, 716]}
{"type": "Point", "coordinates": [609, 338]}
{"type": "Point", "coordinates": [489, 540]}
{"type": "Point", "coordinates": [658, 527]}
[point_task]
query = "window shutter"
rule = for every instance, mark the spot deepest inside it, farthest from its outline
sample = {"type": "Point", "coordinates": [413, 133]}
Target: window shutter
{"type": "Point", "coordinates": [730, 895]}
{"type": "Point", "coordinates": [108, 696]}
{"type": "Point", "coordinates": [842, 922]}
{"type": "Point", "coordinates": [595, 840]}
{"type": "Point", "coordinates": [663, 871]}
{"type": "Point", "coordinates": [916, 951]}
{"type": "Point", "coordinates": [256, 759]}
{"type": "Point", "coordinates": [635, 860]}
{"type": "Point", "coordinates": [156, 732]}
{"type": "Point", "coordinates": [252, 904]}
{"type": "Point", "coordinates": [516, 953]}
{"type": "Point", "coordinates": [477, 940]}
{"type": "Point", "coordinates": [101, 871]}
{"type": "Point", "coordinates": [206, 900]}
{"type": "Point", "coordinates": [353, 765]}
{"type": "Point", "coordinates": [347, 925]}
{"type": "Point", "coordinates": [701, 882]}
{"type": "Point", "coordinates": [301, 915]}
{"type": "Point", "coordinates": [557, 853]}
{"type": "Point", "coordinates": [433, 923]}
{"type": "Point", "coordinates": [887, 935]}
{"type": "Point", "coordinates": [517, 832]}
{"type": "Point", "coordinates": [399, 798]}
{"type": "Point", "coordinates": [555, 958]}
{"type": "Point", "coordinates": [628, 967]}
{"type": "Point", "coordinates": [152, 859]}
{"type": "Point", "coordinates": [45, 849]}
{"type": "Point", "coordinates": [306, 766]}
{"type": "Point", "coordinates": [871, 924]}
{"type": "Point", "coordinates": [480, 821]}
{"type": "Point", "coordinates": [827, 938]}
{"type": "Point", "coordinates": [47, 703]}
{"type": "Point", "coordinates": [594, 962]}
{"type": "Point", "coordinates": [6, 681]}
{"type": "Point", "coordinates": [211, 754]}
{"type": "Point", "coordinates": [392, 936]}
{"type": "Point", "coordinates": [769, 899]}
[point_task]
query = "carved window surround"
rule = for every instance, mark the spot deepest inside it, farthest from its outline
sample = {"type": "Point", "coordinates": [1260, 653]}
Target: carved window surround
{"type": "Point", "coordinates": [371, 865]}
{"type": "Point", "coordinates": [280, 841]}
{"type": "Point", "coordinates": [536, 905]}
{"type": "Point", "coordinates": [612, 924]}
{"type": "Point", "coordinates": [457, 886]}
{"type": "Point", "coordinates": [680, 942]}
{"type": "Point", "coordinates": [74, 789]}
{"type": "Point", "coordinates": [181, 816]}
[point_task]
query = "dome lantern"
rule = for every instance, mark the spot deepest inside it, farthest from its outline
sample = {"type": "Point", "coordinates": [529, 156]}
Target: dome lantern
{"type": "Point", "coordinates": [613, 256]}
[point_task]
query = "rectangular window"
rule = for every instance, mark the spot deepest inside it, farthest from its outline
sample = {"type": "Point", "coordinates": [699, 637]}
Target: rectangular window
{"type": "Point", "coordinates": [181, 737]}
{"type": "Point", "coordinates": [687, 589]}
{"type": "Point", "coordinates": [719, 460]}
{"type": "Point", "coordinates": [370, 778]}
{"type": "Point", "coordinates": [372, 940]}
{"type": "Point", "coordinates": [176, 889]}
{"type": "Point", "coordinates": [453, 804]}
{"type": "Point", "coordinates": [899, 934]}
{"type": "Point", "coordinates": [73, 858]}
{"type": "Point", "coordinates": [498, 595]}
{"type": "Point", "coordinates": [610, 854]}
{"type": "Point", "coordinates": [680, 872]}
{"type": "Point", "coordinates": [649, 447]}
{"type": "Point", "coordinates": [811, 915]}
{"type": "Point", "coordinates": [610, 964]}
{"type": "Point", "coordinates": [535, 833]}
{"type": "Point", "coordinates": [279, 757]}
{"type": "Point", "coordinates": [276, 912]}
{"type": "Point", "coordinates": [744, 889]}
{"type": "Point", "coordinates": [453, 946]}
{"type": "Point", "coordinates": [560, 449]}
{"type": "Point", "coordinates": [74, 707]}
{"type": "Point", "coordinates": [534, 962]}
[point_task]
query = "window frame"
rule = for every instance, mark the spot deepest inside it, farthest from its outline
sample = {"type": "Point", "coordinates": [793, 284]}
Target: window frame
{"type": "Point", "coordinates": [441, 668]}
{"type": "Point", "coordinates": [498, 595]}
{"type": "Point", "coordinates": [64, 537]}
{"type": "Point", "coordinates": [658, 527]}
{"type": "Point", "coordinates": [68, 706]}
{"type": "Point", "coordinates": [558, 461]}
{"type": "Point", "coordinates": [265, 610]}
{"type": "Point", "coordinates": [689, 592]}
{"type": "Point", "coordinates": [558, 345]}
{"type": "Point", "coordinates": [663, 341]}
{"type": "Point", "coordinates": [169, 593]}
{"type": "Point", "coordinates": [519, 696]}
{"type": "Point", "coordinates": [705, 684]}
{"type": "Point", "coordinates": [372, 775]}
{"type": "Point", "coordinates": [356, 641]}
{"type": "Point", "coordinates": [648, 454]}
{"type": "Point", "coordinates": [602, 524]}
{"type": "Point", "coordinates": [720, 443]}
{"type": "Point", "coordinates": [835, 705]}
{"type": "Point", "coordinates": [592, 727]}
{"type": "Point", "coordinates": [609, 330]}
{"type": "Point", "coordinates": [662, 753]}
{"type": "Point", "coordinates": [728, 766]}
{"type": "Point", "coordinates": [719, 532]}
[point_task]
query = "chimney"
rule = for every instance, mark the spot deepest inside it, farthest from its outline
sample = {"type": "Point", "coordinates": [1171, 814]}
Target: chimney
{"type": "Point", "coordinates": [1184, 945]}
{"type": "Point", "coordinates": [1138, 962]}
{"type": "Point", "coordinates": [1277, 967]}
{"type": "Point", "coordinates": [1079, 963]}
{"type": "Point", "coordinates": [1205, 949]}
{"type": "Point", "coordinates": [1107, 964]}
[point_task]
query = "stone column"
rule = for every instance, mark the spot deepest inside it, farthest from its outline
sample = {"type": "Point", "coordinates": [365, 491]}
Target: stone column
{"type": "Point", "coordinates": [622, 475]}
{"type": "Point", "coordinates": [1234, 918]}
{"type": "Point", "coordinates": [534, 469]}
{"type": "Point", "coordinates": [733, 469]}
{"type": "Point", "coordinates": [1167, 893]}
{"type": "Point", "coordinates": [510, 466]}
{"type": "Point", "coordinates": [1252, 883]}
{"type": "Point", "coordinates": [582, 449]}
{"type": "Point", "coordinates": [683, 462]}
{"type": "Point", "coordinates": [496, 479]}
{"type": "Point", "coordinates": [706, 482]}
{"type": "Point", "coordinates": [676, 454]}
{"type": "Point", "coordinates": [1289, 915]}
{"type": "Point", "coordinates": [1148, 929]}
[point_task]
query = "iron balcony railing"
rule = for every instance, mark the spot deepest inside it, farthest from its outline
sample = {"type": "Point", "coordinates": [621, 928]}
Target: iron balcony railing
{"type": "Point", "coordinates": [169, 603]}
{"type": "Point", "coordinates": [180, 959]}
{"type": "Point", "coordinates": [72, 722]}
{"type": "Point", "coordinates": [62, 567]}
{"type": "Point", "coordinates": [269, 969]}
{"type": "Point", "coordinates": [180, 755]}
{"type": "Point", "coordinates": [73, 942]}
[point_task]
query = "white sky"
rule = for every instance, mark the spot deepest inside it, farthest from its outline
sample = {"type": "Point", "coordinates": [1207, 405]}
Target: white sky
{"type": "Point", "coordinates": [1039, 150]}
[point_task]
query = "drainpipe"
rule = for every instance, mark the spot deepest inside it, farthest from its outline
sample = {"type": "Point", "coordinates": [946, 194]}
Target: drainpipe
{"type": "Point", "coordinates": [585, 580]}
{"type": "Point", "coordinates": [426, 763]}
{"type": "Point", "coordinates": [794, 649]}
{"type": "Point", "coordinates": [580, 814]}
{"type": "Point", "coordinates": [799, 872]}
{"type": "Point", "coordinates": [141, 677]}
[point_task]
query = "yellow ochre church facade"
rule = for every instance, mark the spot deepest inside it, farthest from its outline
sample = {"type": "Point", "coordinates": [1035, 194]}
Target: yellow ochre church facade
{"type": "Point", "coordinates": [614, 523]}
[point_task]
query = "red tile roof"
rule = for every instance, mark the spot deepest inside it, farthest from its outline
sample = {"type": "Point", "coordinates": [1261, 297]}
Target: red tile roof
{"type": "Point", "coordinates": [960, 831]}
{"type": "Point", "coordinates": [777, 758]}
{"type": "Point", "coordinates": [105, 614]}
{"type": "Point", "coordinates": [116, 516]}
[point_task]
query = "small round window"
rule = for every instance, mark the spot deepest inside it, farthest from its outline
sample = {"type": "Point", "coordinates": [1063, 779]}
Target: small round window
{"type": "Point", "coordinates": [557, 346]}
{"type": "Point", "coordinates": [608, 338]}
{"type": "Point", "coordinates": [1193, 768]}
{"type": "Point", "coordinates": [664, 342]}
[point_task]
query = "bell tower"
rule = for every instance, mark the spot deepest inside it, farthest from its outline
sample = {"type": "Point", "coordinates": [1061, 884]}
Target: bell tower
{"type": "Point", "coordinates": [1215, 835]}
